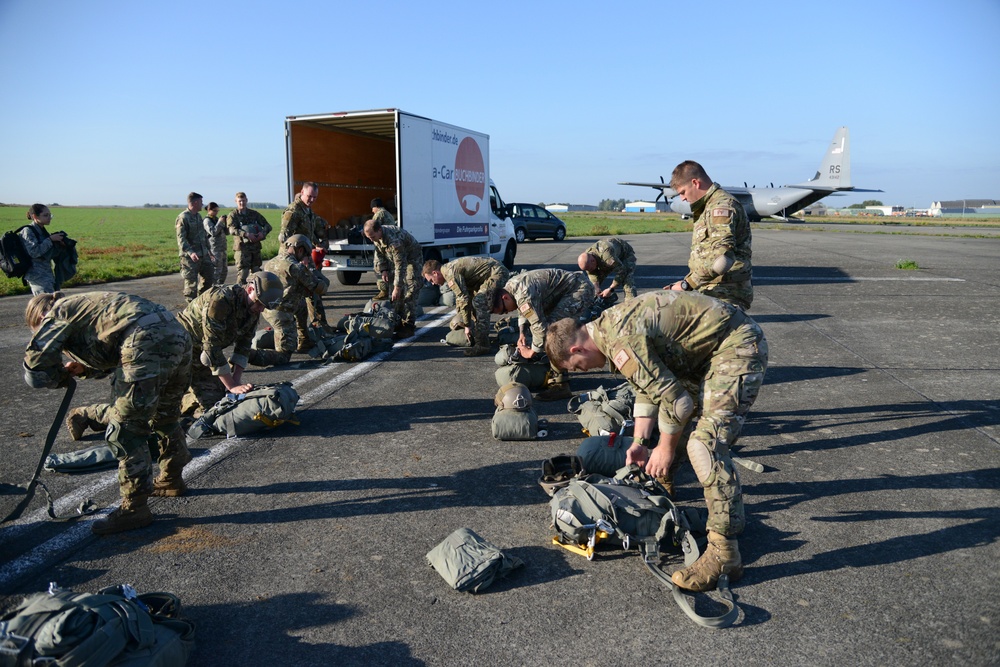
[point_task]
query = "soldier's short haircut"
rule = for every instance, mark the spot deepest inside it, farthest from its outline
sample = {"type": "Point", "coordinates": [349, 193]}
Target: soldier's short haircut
{"type": "Point", "coordinates": [192, 196]}
{"type": "Point", "coordinates": [430, 266]}
{"type": "Point", "coordinates": [38, 307]}
{"type": "Point", "coordinates": [559, 337]}
{"type": "Point", "coordinates": [497, 299]}
{"type": "Point", "coordinates": [372, 225]}
{"type": "Point", "coordinates": [310, 184]}
{"type": "Point", "coordinates": [687, 171]}
{"type": "Point", "coordinates": [241, 194]}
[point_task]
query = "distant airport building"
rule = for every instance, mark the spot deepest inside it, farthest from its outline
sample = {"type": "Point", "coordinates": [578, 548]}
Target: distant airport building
{"type": "Point", "coordinates": [989, 207]}
{"type": "Point", "coordinates": [565, 208]}
{"type": "Point", "coordinates": [885, 210]}
{"type": "Point", "coordinates": [645, 207]}
{"type": "Point", "coordinates": [819, 208]}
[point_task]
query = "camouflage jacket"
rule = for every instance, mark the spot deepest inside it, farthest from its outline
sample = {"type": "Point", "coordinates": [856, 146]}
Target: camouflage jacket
{"type": "Point", "coordinates": [191, 236]}
{"type": "Point", "coordinates": [537, 293]}
{"type": "Point", "coordinates": [720, 229]}
{"type": "Point", "coordinates": [615, 256]}
{"type": "Point", "coordinates": [242, 223]}
{"type": "Point", "coordinates": [297, 219]}
{"type": "Point", "coordinates": [321, 232]}
{"type": "Point", "coordinates": [663, 343]}
{"type": "Point", "coordinates": [215, 232]}
{"type": "Point", "coordinates": [217, 318]}
{"type": "Point", "coordinates": [89, 328]}
{"type": "Point", "coordinates": [395, 250]}
{"type": "Point", "coordinates": [466, 275]}
{"type": "Point", "coordinates": [383, 217]}
{"type": "Point", "coordinates": [300, 281]}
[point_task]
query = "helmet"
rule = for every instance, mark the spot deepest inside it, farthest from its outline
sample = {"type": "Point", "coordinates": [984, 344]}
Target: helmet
{"type": "Point", "coordinates": [513, 396]}
{"type": "Point", "coordinates": [299, 241]}
{"type": "Point", "coordinates": [558, 471]}
{"type": "Point", "coordinates": [268, 288]}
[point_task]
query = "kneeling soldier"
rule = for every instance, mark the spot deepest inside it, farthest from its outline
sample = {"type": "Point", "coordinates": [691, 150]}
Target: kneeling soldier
{"type": "Point", "coordinates": [694, 361]}
{"type": "Point", "coordinates": [149, 353]}
{"type": "Point", "coordinates": [398, 258]}
{"type": "Point", "coordinates": [609, 256]}
{"type": "Point", "coordinates": [474, 280]}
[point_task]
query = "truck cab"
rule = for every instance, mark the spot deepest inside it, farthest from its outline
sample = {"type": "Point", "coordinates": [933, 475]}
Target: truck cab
{"type": "Point", "coordinates": [503, 245]}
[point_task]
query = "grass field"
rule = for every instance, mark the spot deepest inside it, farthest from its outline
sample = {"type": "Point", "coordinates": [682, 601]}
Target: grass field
{"type": "Point", "coordinates": [119, 243]}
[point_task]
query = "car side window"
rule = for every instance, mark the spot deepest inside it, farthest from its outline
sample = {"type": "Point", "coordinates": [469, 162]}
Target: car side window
{"type": "Point", "coordinates": [528, 212]}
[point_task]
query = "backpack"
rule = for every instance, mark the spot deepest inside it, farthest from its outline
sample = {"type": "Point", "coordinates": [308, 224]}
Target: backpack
{"type": "Point", "coordinates": [15, 261]}
{"type": "Point", "coordinates": [515, 417]}
{"type": "Point", "coordinates": [265, 406]}
{"type": "Point", "coordinates": [602, 412]}
{"type": "Point", "coordinates": [634, 510]}
{"type": "Point", "coordinates": [115, 626]}
{"type": "Point", "coordinates": [531, 373]}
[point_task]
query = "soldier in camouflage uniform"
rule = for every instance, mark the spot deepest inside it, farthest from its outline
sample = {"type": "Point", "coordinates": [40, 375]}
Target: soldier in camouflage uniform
{"type": "Point", "coordinates": [720, 264]}
{"type": "Point", "coordinates": [298, 217]}
{"type": "Point", "coordinates": [542, 297]}
{"type": "Point", "coordinates": [288, 318]}
{"type": "Point", "coordinates": [609, 256]}
{"type": "Point", "coordinates": [383, 218]}
{"type": "Point", "coordinates": [320, 239]}
{"type": "Point", "coordinates": [399, 259]}
{"type": "Point", "coordinates": [149, 353]}
{"type": "Point", "coordinates": [474, 280]}
{"type": "Point", "coordinates": [697, 365]}
{"type": "Point", "coordinates": [195, 253]}
{"type": "Point", "coordinates": [215, 230]}
{"type": "Point", "coordinates": [248, 229]}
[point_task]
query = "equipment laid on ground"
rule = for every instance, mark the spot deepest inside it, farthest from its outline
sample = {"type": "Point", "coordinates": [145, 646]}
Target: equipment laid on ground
{"type": "Point", "coordinates": [470, 563]}
{"type": "Point", "coordinates": [633, 509]}
{"type": "Point", "coordinates": [265, 406]}
{"type": "Point", "coordinates": [602, 411]}
{"type": "Point", "coordinates": [514, 368]}
{"type": "Point", "coordinates": [515, 417]}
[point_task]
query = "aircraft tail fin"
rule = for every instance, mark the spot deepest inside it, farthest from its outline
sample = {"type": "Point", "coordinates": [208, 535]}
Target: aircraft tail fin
{"type": "Point", "coordinates": [835, 170]}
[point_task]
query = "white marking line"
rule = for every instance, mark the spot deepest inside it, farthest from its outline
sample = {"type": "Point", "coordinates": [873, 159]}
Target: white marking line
{"type": "Point", "coordinates": [831, 279]}
{"type": "Point", "coordinates": [80, 529]}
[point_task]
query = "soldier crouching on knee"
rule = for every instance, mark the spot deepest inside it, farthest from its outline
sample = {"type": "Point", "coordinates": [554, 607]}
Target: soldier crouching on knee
{"type": "Point", "coordinates": [149, 353]}
{"type": "Point", "coordinates": [660, 342]}
{"type": "Point", "coordinates": [474, 280]}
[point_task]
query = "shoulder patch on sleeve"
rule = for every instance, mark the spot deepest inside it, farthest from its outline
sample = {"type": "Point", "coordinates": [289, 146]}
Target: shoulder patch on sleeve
{"type": "Point", "coordinates": [721, 213]}
{"type": "Point", "coordinates": [611, 261]}
{"type": "Point", "coordinates": [525, 310]}
{"type": "Point", "coordinates": [624, 360]}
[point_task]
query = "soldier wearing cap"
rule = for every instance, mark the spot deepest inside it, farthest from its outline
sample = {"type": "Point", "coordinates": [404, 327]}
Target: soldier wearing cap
{"type": "Point", "coordinates": [541, 297]}
{"type": "Point", "coordinates": [289, 316]}
{"type": "Point", "coordinates": [148, 353]}
{"type": "Point", "coordinates": [720, 263]}
{"type": "Point", "coordinates": [195, 253]}
{"type": "Point", "coordinates": [248, 229]}
{"type": "Point", "coordinates": [606, 257]}
{"type": "Point", "coordinates": [474, 280]}
{"type": "Point", "coordinates": [225, 315]}
{"type": "Point", "coordinates": [696, 365]}
{"type": "Point", "coordinates": [399, 259]}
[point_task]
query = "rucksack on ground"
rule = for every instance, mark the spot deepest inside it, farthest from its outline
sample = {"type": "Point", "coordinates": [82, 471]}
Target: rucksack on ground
{"type": "Point", "coordinates": [603, 411]}
{"type": "Point", "coordinates": [115, 626]}
{"type": "Point", "coordinates": [632, 509]}
{"type": "Point", "coordinates": [265, 406]}
{"type": "Point", "coordinates": [15, 261]}
{"type": "Point", "coordinates": [515, 417]}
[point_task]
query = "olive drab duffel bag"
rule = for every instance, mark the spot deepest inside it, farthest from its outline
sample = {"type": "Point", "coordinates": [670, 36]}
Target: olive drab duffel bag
{"type": "Point", "coordinates": [115, 627]}
{"type": "Point", "coordinates": [515, 417]}
{"type": "Point", "coordinates": [603, 411]}
{"type": "Point", "coordinates": [236, 415]}
{"type": "Point", "coordinates": [632, 509]}
{"type": "Point", "coordinates": [468, 562]}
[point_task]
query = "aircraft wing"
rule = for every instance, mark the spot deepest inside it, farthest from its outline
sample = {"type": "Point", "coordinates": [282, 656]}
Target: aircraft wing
{"type": "Point", "coordinates": [667, 191]}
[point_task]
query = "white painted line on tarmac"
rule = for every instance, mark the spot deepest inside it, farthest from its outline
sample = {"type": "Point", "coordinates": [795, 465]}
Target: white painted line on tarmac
{"type": "Point", "coordinates": [828, 279]}
{"type": "Point", "coordinates": [80, 529]}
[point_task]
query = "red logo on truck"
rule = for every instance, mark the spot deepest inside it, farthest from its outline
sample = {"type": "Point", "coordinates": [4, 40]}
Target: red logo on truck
{"type": "Point", "coordinates": [470, 176]}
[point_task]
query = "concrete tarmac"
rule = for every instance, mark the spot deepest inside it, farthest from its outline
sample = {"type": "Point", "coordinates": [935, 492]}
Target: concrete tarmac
{"type": "Point", "coordinates": [871, 536]}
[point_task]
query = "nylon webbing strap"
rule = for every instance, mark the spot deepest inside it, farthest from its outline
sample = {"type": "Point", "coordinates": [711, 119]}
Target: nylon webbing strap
{"type": "Point", "coordinates": [49, 441]}
{"type": "Point", "coordinates": [722, 587]}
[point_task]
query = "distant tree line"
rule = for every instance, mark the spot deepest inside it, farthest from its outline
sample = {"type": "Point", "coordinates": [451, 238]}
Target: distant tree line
{"type": "Point", "coordinates": [253, 204]}
{"type": "Point", "coordinates": [611, 204]}
{"type": "Point", "coordinates": [867, 202]}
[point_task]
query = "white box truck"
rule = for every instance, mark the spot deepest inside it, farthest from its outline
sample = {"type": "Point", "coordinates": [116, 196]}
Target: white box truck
{"type": "Point", "coordinates": [433, 177]}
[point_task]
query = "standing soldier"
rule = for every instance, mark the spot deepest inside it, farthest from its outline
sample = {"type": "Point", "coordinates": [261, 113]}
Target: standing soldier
{"type": "Point", "coordinates": [149, 353]}
{"type": "Point", "coordinates": [609, 256]}
{"type": "Point", "coordinates": [398, 259]}
{"type": "Point", "coordinates": [474, 280]}
{"type": "Point", "coordinates": [696, 365]}
{"type": "Point", "coordinates": [215, 229]}
{"type": "Point", "coordinates": [542, 297]}
{"type": "Point", "coordinates": [192, 244]}
{"type": "Point", "coordinates": [248, 228]}
{"type": "Point", "coordinates": [383, 217]}
{"type": "Point", "coordinates": [320, 239]}
{"type": "Point", "coordinates": [720, 263]}
{"type": "Point", "coordinates": [298, 217]}
{"type": "Point", "coordinates": [288, 317]}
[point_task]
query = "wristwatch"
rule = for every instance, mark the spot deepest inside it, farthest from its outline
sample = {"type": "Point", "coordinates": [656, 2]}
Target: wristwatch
{"type": "Point", "coordinates": [641, 441]}
{"type": "Point", "coordinates": [686, 286]}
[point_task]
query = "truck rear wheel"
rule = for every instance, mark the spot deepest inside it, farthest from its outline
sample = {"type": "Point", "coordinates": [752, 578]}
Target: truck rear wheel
{"type": "Point", "coordinates": [349, 277]}
{"type": "Point", "coordinates": [510, 254]}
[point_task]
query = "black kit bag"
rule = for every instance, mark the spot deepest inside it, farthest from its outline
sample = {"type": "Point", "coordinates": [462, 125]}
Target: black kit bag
{"type": "Point", "coordinates": [15, 261]}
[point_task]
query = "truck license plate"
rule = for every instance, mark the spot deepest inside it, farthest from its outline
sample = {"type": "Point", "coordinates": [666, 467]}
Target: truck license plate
{"type": "Point", "coordinates": [359, 262]}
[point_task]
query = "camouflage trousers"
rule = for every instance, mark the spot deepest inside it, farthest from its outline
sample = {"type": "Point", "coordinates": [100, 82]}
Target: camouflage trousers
{"type": "Point", "coordinates": [739, 294]}
{"type": "Point", "coordinates": [147, 390]}
{"type": "Point", "coordinates": [205, 391]}
{"type": "Point", "coordinates": [247, 261]}
{"type": "Point", "coordinates": [411, 281]}
{"type": "Point", "coordinates": [576, 304]}
{"type": "Point", "coordinates": [291, 329]}
{"type": "Point", "coordinates": [221, 262]}
{"type": "Point", "coordinates": [725, 395]}
{"type": "Point", "coordinates": [190, 272]}
{"type": "Point", "coordinates": [480, 306]}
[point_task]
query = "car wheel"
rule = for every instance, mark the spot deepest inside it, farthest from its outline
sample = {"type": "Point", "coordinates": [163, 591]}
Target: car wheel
{"type": "Point", "coordinates": [560, 233]}
{"type": "Point", "coordinates": [509, 254]}
{"type": "Point", "coordinates": [349, 277]}
{"type": "Point", "coordinates": [520, 234]}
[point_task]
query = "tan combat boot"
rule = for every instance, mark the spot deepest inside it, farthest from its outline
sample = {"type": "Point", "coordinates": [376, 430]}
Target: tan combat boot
{"type": "Point", "coordinates": [170, 483]}
{"type": "Point", "coordinates": [722, 556]}
{"type": "Point", "coordinates": [76, 423]}
{"type": "Point", "coordinates": [131, 515]}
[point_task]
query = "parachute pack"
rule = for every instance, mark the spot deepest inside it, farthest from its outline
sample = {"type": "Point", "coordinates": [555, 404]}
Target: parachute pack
{"type": "Point", "coordinates": [265, 406]}
{"type": "Point", "coordinates": [515, 417]}
{"type": "Point", "coordinates": [603, 411]}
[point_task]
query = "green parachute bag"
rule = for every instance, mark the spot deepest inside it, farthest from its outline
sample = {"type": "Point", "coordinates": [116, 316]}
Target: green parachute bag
{"type": "Point", "coordinates": [469, 563]}
{"type": "Point", "coordinates": [457, 338]}
{"type": "Point", "coordinates": [116, 626]}
{"type": "Point", "coordinates": [604, 454]}
{"type": "Point", "coordinates": [236, 415]}
{"type": "Point", "coordinates": [602, 411]}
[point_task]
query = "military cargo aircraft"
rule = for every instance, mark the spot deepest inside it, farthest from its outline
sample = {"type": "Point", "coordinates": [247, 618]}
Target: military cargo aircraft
{"type": "Point", "coordinates": [834, 176]}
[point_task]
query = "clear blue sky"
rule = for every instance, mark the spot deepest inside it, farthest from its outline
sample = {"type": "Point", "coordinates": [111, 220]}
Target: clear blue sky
{"type": "Point", "coordinates": [129, 102]}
